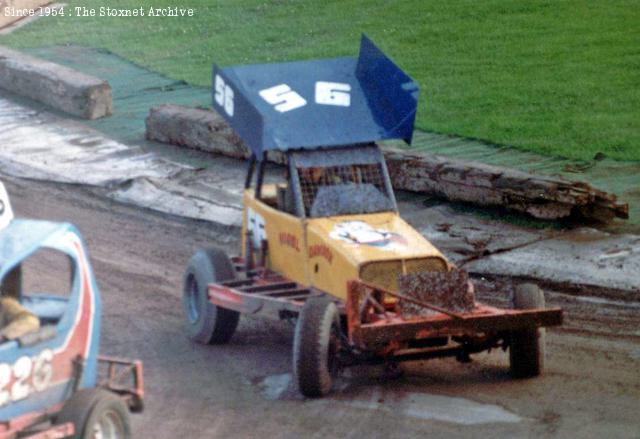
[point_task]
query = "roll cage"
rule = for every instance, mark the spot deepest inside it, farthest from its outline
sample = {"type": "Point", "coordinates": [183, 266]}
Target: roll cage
{"type": "Point", "coordinates": [329, 182]}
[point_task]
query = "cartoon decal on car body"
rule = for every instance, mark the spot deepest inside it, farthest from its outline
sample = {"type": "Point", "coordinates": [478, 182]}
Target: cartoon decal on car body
{"type": "Point", "coordinates": [361, 233]}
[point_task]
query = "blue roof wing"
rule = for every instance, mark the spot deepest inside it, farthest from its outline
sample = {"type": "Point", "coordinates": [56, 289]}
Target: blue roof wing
{"type": "Point", "coordinates": [309, 104]}
{"type": "Point", "coordinates": [230, 100]}
{"type": "Point", "coordinates": [391, 93]}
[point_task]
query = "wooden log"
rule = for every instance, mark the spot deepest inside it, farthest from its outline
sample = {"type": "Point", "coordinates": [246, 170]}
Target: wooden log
{"type": "Point", "coordinates": [57, 86]}
{"type": "Point", "coordinates": [194, 128]}
{"type": "Point", "coordinates": [542, 197]}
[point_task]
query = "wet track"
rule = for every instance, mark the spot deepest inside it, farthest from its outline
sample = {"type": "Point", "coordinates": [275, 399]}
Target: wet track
{"type": "Point", "coordinates": [243, 389]}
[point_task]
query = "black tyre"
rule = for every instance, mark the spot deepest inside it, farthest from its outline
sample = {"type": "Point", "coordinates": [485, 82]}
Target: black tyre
{"type": "Point", "coordinates": [315, 347]}
{"type": "Point", "coordinates": [527, 346]}
{"type": "Point", "coordinates": [96, 413]}
{"type": "Point", "coordinates": [206, 322]}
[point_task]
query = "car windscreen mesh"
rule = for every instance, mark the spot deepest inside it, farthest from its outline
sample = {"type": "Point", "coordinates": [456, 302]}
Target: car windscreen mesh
{"type": "Point", "coordinates": [344, 190]}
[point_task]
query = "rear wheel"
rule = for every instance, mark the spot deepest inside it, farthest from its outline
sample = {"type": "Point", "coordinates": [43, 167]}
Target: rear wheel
{"type": "Point", "coordinates": [96, 414]}
{"type": "Point", "coordinates": [315, 347]}
{"type": "Point", "coordinates": [527, 346]}
{"type": "Point", "coordinates": [206, 322]}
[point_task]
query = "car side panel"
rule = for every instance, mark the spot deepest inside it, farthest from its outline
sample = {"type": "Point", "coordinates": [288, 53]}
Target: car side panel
{"type": "Point", "coordinates": [284, 233]}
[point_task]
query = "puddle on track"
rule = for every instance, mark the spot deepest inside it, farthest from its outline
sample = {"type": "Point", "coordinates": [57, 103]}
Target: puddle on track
{"type": "Point", "coordinates": [436, 407]}
{"type": "Point", "coordinates": [409, 404]}
{"type": "Point", "coordinates": [276, 386]}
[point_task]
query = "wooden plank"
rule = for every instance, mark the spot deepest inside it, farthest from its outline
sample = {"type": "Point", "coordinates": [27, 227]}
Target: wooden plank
{"type": "Point", "coordinates": [57, 86]}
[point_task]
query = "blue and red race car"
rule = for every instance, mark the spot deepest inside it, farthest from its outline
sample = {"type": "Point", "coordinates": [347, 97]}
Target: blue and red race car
{"type": "Point", "coordinates": [53, 383]}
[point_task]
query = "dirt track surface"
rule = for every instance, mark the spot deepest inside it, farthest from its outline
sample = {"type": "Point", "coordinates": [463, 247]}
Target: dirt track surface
{"type": "Point", "coordinates": [591, 387]}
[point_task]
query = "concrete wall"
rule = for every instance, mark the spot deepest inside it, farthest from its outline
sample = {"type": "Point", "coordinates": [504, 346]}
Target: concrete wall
{"type": "Point", "coordinates": [6, 19]}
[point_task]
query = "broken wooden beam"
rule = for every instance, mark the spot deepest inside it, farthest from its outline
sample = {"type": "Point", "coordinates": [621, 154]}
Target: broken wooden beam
{"type": "Point", "coordinates": [542, 197]}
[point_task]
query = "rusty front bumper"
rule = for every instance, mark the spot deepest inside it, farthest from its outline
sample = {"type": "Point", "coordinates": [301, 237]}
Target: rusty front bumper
{"type": "Point", "coordinates": [374, 323]}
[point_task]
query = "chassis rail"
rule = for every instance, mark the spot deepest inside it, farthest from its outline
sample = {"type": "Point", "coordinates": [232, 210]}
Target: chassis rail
{"type": "Point", "coordinates": [261, 291]}
{"type": "Point", "coordinates": [373, 320]}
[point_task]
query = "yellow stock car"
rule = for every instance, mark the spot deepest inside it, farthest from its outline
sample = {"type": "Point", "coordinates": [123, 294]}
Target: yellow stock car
{"type": "Point", "coordinates": [327, 248]}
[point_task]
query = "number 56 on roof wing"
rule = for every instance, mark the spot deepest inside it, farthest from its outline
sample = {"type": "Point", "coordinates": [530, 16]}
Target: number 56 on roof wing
{"type": "Point", "coordinates": [317, 103]}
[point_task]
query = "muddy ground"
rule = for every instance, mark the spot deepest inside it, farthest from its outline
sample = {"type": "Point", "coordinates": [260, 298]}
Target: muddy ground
{"type": "Point", "coordinates": [591, 387]}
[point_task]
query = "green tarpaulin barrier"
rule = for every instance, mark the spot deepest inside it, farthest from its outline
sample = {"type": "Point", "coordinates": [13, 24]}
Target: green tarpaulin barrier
{"type": "Point", "coordinates": [136, 89]}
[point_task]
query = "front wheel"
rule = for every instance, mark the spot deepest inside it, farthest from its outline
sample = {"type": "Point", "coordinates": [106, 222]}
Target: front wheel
{"type": "Point", "coordinates": [96, 414]}
{"type": "Point", "coordinates": [315, 347]}
{"type": "Point", "coordinates": [527, 346]}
